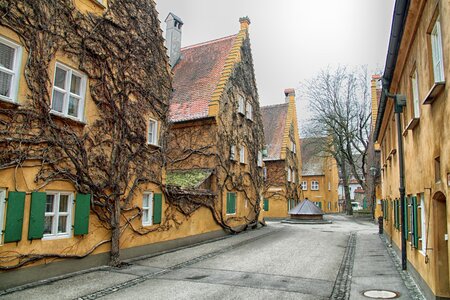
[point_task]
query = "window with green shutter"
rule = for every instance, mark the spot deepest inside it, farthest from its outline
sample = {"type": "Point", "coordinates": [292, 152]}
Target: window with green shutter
{"type": "Point", "coordinates": [406, 219]}
{"type": "Point", "coordinates": [231, 203]}
{"type": "Point", "coordinates": [266, 204]}
{"type": "Point", "coordinates": [157, 208]}
{"type": "Point", "coordinates": [14, 217]}
{"type": "Point", "coordinates": [37, 215]}
{"type": "Point", "coordinates": [82, 211]}
{"type": "Point", "coordinates": [415, 223]}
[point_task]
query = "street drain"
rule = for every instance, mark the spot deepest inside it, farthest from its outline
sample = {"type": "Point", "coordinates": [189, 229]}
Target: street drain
{"type": "Point", "coordinates": [381, 294]}
{"type": "Point", "coordinates": [197, 277]}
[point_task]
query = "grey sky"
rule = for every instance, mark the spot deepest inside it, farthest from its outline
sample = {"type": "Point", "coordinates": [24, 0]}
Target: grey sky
{"type": "Point", "coordinates": [292, 39]}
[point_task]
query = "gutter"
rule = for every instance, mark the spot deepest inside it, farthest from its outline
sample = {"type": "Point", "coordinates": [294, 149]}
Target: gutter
{"type": "Point", "coordinates": [398, 25]}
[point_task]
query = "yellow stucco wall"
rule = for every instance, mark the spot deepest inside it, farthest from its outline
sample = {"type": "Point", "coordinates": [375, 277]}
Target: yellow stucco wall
{"type": "Point", "coordinates": [423, 143]}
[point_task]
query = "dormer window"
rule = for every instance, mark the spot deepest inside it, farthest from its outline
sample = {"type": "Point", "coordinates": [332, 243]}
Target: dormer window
{"type": "Point", "coordinates": [241, 104]}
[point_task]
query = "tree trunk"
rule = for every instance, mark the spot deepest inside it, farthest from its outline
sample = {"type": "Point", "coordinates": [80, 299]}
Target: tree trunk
{"type": "Point", "coordinates": [115, 234]}
{"type": "Point", "coordinates": [348, 200]}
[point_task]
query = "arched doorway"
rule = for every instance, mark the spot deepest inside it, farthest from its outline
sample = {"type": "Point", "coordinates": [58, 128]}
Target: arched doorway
{"type": "Point", "coordinates": [441, 245]}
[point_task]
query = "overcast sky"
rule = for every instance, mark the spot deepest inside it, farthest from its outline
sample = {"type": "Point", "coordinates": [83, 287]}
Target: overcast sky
{"type": "Point", "coordinates": [291, 40]}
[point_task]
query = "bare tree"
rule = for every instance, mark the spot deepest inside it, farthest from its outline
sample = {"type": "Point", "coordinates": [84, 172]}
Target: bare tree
{"type": "Point", "coordinates": [340, 106]}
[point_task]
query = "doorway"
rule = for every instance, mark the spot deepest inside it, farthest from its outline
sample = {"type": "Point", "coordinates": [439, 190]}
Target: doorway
{"type": "Point", "coordinates": [441, 245]}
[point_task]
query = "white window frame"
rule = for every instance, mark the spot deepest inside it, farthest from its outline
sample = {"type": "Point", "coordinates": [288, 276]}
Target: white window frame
{"type": "Point", "coordinates": [293, 147]}
{"type": "Point", "coordinates": [233, 152]}
{"type": "Point", "coordinates": [68, 94]}
{"type": "Point", "coordinates": [242, 158]}
{"type": "Point", "coordinates": [293, 175]}
{"type": "Point", "coordinates": [154, 132]}
{"type": "Point", "coordinates": [314, 185]}
{"type": "Point", "coordinates": [14, 88]}
{"type": "Point", "coordinates": [436, 51]}
{"type": "Point", "coordinates": [329, 185]}
{"type": "Point", "coordinates": [241, 104]}
{"type": "Point", "coordinates": [265, 173]}
{"type": "Point", "coordinates": [148, 208]}
{"type": "Point", "coordinates": [249, 111]}
{"type": "Point", "coordinates": [289, 174]}
{"type": "Point", "coordinates": [2, 213]}
{"type": "Point", "coordinates": [260, 159]}
{"type": "Point", "coordinates": [56, 214]}
{"type": "Point", "coordinates": [415, 94]}
{"type": "Point", "coordinates": [304, 185]}
{"type": "Point", "coordinates": [423, 233]}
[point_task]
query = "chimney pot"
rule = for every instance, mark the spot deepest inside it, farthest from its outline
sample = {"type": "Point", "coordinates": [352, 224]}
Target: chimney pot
{"type": "Point", "coordinates": [245, 22]}
{"type": "Point", "coordinates": [290, 94]}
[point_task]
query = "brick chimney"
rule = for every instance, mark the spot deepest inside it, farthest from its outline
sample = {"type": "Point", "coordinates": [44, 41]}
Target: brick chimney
{"type": "Point", "coordinates": [173, 38]}
{"type": "Point", "coordinates": [290, 94]}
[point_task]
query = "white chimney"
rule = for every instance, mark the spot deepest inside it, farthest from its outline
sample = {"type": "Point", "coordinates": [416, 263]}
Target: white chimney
{"type": "Point", "coordinates": [173, 38]}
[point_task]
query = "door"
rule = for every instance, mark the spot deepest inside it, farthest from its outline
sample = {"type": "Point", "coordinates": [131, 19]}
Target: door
{"type": "Point", "coordinates": [441, 245]}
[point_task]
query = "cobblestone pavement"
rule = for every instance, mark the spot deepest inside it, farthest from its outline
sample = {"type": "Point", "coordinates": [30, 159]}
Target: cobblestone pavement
{"type": "Point", "coordinates": [280, 261]}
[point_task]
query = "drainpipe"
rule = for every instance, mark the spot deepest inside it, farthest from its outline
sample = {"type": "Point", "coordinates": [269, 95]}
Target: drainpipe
{"type": "Point", "coordinates": [399, 103]}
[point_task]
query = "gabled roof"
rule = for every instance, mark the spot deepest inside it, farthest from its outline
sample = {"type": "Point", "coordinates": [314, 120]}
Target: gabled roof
{"type": "Point", "coordinates": [313, 156]}
{"type": "Point", "coordinates": [274, 119]}
{"type": "Point", "coordinates": [196, 76]}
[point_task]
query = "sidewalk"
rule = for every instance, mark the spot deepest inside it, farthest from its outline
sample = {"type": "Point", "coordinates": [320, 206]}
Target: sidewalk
{"type": "Point", "coordinates": [377, 267]}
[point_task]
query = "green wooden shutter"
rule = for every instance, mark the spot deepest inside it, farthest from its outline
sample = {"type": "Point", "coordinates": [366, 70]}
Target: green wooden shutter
{"type": "Point", "coordinates": [415, 225]}
{"type": "Point", "coordinates": [82, 211]}
{"type": "Point", "coordinates": [406, 219]}
{"type": "Point", "coordinates": [14, 217]}
{"type": "Point", "coordinates": [157, 208]}
{"type": "Point", "coordinates": [231, 203]}
{"type": "Point", "coordinates": [396, 220]}
{"type": "Point", "coordinates": [266, 204]}
{"type": "Point", "coordinates": [37, 215]}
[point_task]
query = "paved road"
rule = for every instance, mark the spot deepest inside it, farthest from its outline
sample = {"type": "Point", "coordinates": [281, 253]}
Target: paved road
{"type": "Point", "coordinates": [281, 261]}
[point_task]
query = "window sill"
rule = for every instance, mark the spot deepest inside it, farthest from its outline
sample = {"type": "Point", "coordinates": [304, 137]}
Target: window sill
{"type": "Point", "coordinates": [411, 125]}
{"type": "Point", "coordinates": [435, 91]}
{"type": "Point", "coordinates": [8, 102]}
{"type": "Point", "coordinates": [67, 118]}
{"type": "Point", "coordinates": [154, 145]}
{"type": "Point", "coordinates": [55, 237]}
{"type": "Point", "coordinates": [98, 4]}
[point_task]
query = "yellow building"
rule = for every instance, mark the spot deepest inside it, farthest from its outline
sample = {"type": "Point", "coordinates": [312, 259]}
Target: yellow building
{"type": "Point", "coordinates": [283, 160]}
{"type": "Point", "coordinates": [417, 68]}
{"type": "Point", "coordinates": [320, 177]}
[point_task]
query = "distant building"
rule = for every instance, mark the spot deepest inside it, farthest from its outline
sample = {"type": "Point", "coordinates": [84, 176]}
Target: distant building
{"type": "Point", "coordinates": [319, 174]}
{"type": "Point", "coordinates": [282, 160]}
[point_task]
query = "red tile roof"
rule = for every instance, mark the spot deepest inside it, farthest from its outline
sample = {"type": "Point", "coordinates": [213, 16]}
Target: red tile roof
{"type": "Point", "coordinates": [196, 76]}
{"type": "Point", "coordinates": [313, 155]}
{"type": "Point", "coordinates": [274, 121]}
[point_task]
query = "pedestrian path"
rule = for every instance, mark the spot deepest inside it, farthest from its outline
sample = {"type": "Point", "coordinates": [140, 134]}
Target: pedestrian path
{"type": "Point", "coordinates": [374, 269]}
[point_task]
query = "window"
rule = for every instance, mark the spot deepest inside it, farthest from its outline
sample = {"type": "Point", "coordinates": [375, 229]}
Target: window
{"type": "Point", "coordinates": [233, 152]}
{"type": "Point", "coordinates": [147, 209]}
{"type": "Point", "coordinates": [293, 147]}
{"type": "Point", "coordinates": [423, 236]}
{"type": "Point", "coordinates": [329, 186]}
{"type": "Point", "coordinates": [266, 204]}
{"type": "Point", "coordinates": [293, 175]}
{"type": "Point", "coordinates": [415, 92]}
{"type": "Point", "coordinates": [314, 185]}
{"type": "Point", "coordinates": [437, 169]}
{"type": "Point", "coordinates": [242, 155]}
{"type": "Point", "coordinates": [10, 55]}
{"type": "Point", "coordinates": [304, 185]}
{"type": "Point", "coordinates": [289, 174]}
{"type": "Point", "coordinates": [2, 213]}
{"type": "Point", "coordinates": [69, 88]}
{"type": "Point", "coordinates": [436, 51]}
{"type": "Point", "coordinates": [249, 112]}
{"type": "Point", "coordinates": [265, 173]}
{"type": "Point", "coordinates": [241, 105]}
{"type": "Point", "coordinates": [318, 204]}
{"type": "Point", "coordinates": [260, 159]}
{"type": "Point", "coordinates": [58, 214]}
{"type": "Point", "coordinates": [231, 203]}
{"type": "Point", "coordinates": [153, 132]}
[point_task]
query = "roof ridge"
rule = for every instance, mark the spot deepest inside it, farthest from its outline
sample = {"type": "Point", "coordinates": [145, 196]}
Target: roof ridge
{"type": "Point", "coordinates": [272, 105]}
{"type": "Point", "coordinates": [208, 42]}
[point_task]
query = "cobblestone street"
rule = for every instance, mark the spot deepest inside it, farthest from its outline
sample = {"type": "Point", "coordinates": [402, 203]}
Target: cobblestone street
{"type": "Point", "coordinates": [281, 261]}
